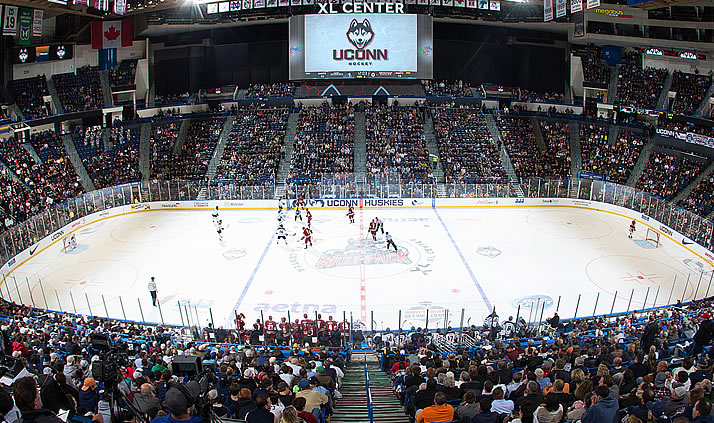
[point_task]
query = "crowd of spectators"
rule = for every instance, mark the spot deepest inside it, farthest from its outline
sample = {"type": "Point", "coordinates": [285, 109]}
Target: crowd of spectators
{"type": "Point", "coordinates": [556, 136]}
{"type": "Point", "coordinates": [196, 152]}
{"type": "Point", "coordinates": [163, 142]}
{"type": "Point", "coordinates": [633, 368]}
{"type": "Point", "coordinates": [255, 146]}
{"type": "Point", "coordinates": [614, 161]}
{"type": "Point", "coordinates": [686, 127]}
{"type": "Point", "coordinates": [171, 99]}
{"type": "Point", "coordinates": [638, 86]}
{"type": "Point", "coordinates": [701, 199]}
{"type": "Point", "coordinates": [89, 139]}
{"type": "Point", "coordinates": [275, 90]}
{"type": "Point", "coordinates": [690, 89]}
{"type": "Point", "coordinates": [29, 93]}
{"type": "Point", "coordinates": [667, 174]}
{"type": "Point", "coordinates": [247, 384]}
{"type": "Point", "coordinates": [120, 164]}
{"type": "Point", "coordinates": [396, 142]}
{"type": "Point", "coordinates": [124, 74]}
{"type": "Point", "coordinates": [79, 91]}
{"type": "Point", "coordinates": [526, 157]}
{"type": "Point", "coordinates": [467, 151]}
{"type": "Point", "coordinates": [446, 89]}
{"type": "Point", "coordinates": [324, 143]}
{"type": "Point", "coordinates": [547, 97]}
{"type": "Point", "coordinates": [595, 70]}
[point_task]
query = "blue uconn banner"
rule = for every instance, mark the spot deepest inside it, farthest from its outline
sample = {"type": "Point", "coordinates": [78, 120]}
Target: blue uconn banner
{"type": "Point", "coordinates": [367, 203]}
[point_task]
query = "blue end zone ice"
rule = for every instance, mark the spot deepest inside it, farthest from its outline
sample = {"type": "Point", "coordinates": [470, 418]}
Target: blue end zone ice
{"type": "Point", "coordinates": [645, 244]}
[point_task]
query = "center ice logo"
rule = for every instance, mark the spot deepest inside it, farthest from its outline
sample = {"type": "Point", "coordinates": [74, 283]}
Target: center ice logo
{"type": "Point", "coordinates": [374, 253]}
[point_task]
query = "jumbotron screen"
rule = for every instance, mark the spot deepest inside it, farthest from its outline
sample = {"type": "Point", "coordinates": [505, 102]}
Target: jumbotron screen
{"type": "Point", "coordinates": [367, 45]}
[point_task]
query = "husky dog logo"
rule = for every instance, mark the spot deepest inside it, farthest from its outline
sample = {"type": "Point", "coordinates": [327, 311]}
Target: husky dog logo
{"type": "Point", "coordinates": [23, 55]}
{"type": "Point", "coordinates": [360, 34]}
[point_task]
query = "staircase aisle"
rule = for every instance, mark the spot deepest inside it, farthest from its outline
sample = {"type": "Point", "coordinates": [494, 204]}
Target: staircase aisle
{"type": "Point", "coordinates": [360, 149]}
{"type": "Point", "coordinates": [433, 149]}
{"type": "Point", "coordinates": [353, 407]}
{"type": "Point", "coordinates": [665, 91]}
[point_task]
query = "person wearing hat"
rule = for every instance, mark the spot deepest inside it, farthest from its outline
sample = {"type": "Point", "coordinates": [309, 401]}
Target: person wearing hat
{"type": "Point", "coordinates": [180, 405]}
{"type": "Point", "coordinates": [215, 399]}
{"type": "Point", "coordinates": [701, 373]}
{"type": "Point", "coordinates": [314, 400]}
{"type": "Point", "coordinates": [703, 336]}
{"type": "Point", "coordinates": [324, 379]}
{"type": "Point", "coordinates": [89, 395]}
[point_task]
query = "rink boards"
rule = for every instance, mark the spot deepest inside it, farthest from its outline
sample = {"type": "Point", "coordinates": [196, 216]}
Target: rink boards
{"type": "Point", "coordinates": [388, 203]}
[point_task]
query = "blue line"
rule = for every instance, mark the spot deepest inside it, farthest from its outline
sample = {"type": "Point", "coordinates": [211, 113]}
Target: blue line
{"type": "Point", "coordinates": [252, 276]}
{"type": "Point", "coordinates": [463, 260]}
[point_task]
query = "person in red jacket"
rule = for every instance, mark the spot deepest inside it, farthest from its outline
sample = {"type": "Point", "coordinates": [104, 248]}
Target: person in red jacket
{"type": "Point", "coordinates": [19, 345]}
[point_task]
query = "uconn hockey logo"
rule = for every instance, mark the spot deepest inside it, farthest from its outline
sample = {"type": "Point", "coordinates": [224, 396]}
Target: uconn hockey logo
{"type": "Point", "coordinates": [351, 256]}
{"type": "Point", "coordinates": [360, 35]}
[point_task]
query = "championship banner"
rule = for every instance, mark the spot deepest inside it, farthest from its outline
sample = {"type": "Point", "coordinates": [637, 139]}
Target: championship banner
{"type": "Point", "coordinates": [593, 3]}
{"type": "Point", "coordinates": [576, 6]}
{"type": "Point", "coordinates": [37, 22]}
{"type": "Point", "coordinates": [547, 10]}
{"type": "Point", "coordinates": [25, 20]}
{"type": "Point", "coordinates": [460, 3]}
{"type": "Point", "coordinates": [560, 8]}
{"type": "Point", "coordinates": [120, 7]}
{"type": "Point", "coordinates": [9, 22]}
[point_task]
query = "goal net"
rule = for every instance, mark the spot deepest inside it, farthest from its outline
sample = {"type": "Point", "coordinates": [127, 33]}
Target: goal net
{"type": "Point", "coordinates": [652, 236]}
{"type": "Point", "coordinates": [70, 243]}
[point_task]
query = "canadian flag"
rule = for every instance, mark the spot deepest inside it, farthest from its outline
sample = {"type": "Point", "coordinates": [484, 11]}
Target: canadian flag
{"type": "Point", "coordinates": [112, 34]}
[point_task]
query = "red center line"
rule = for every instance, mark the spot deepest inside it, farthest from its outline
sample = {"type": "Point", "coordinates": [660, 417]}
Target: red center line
{"type": "Point", "coordinates": [362, 283]}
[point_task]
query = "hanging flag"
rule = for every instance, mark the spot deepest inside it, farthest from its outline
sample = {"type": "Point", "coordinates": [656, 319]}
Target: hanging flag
{"type": "Point", "coordinates": [561, 8]}
{"type": "Point", "coordinates": [102, 5]}
{"type": "Point", "coordinates": [271, 3]}
{"type": "Point", "coordinates": [82, 2]}
{"type": "Point", "coordinates": [9, 22]}
{"type": "Point", "coordinates": [471, 4]}
{"type": "Point", "coordinates": [25, 20]}
{"type": "Point", "coordinates": [235, 5]}
{"type": "Point", "coordinates": [459, 3]}
{"type": "Point", "coordinates": [576, 6]}
{"type": "Point", "coordinates": [495, 5]}
{"type": "Point", "coordinates": [447, 2]}
{"type": "Point", "coordinates": [37, 22]}
{"type": "Point", "coordinates": [593, 3]}
{"type": "Point", "coordinates": [283, 2]}
{"type": "Point", "coordinates": [120, 7]}
{"type": "Point", "coordinates": [247, 4]}
{"type": "Point", "coordinates": [547, 10]}
{"type": "Point", "coordinates": [112, 34]}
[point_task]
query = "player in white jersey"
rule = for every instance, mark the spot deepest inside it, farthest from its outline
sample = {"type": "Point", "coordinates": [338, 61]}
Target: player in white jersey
{"type": "Point", "coordinates": [282, 234]}
{"type": "Point", "coordinates": [219, 229]}
{"type": "Point", "coordinates": [215, 215]}
{"type": "Point", "coordinates": [281, 218]}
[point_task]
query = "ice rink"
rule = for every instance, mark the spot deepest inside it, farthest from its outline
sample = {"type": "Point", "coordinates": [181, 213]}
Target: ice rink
{"type": "Point", "coordinates": [448, 259]}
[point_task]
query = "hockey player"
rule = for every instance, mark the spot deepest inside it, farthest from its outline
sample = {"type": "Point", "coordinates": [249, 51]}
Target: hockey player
{"type": "Point", "coordinates": [351, 214]}
{"type": "Point", "coordinates": [390, 242]}
{"type": "Point", "coordinates": [380, 224]}
{"type": "Point", "coordinates": [215, 215]}
{"type": "Point", "coordinates": [632, 229]}
{"type": "Point", "coordinates": [331, 324]}
{"type": "Point", "coordinates": [281, 204]}
{"type": "Point", "coordinates": [271, 329]}
{"type": "Point", "coordinates": [282, 234]}
{"type": "Point", "coordinates": [298, 215]}
{"type": "Point", "coordinates": [373, 229]}
{"type": "Point", "coordinates": [281, 217]}
{"type": "Point", "coordinates": [308, 215]}
{"type": "Point", "coordinates": [307, 236]}
{"type": "Point", "coordinates": [219, 229]}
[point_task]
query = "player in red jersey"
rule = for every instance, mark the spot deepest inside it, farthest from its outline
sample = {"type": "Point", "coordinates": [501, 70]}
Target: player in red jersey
{"type": "Point", "coordinates": [351, 214]}
{"type": "Point", "coordinates": [632, 229]}
{"type": "Point", "coordinates": [306, 325]}
{"type": "Point", "coordinates": [257, 325]}
{"type": "Point", "coordinates": [331, 324]}
{"type": "Point", "coordinates": [344, 326]}
{"type": "Point", "coordinates": [319, 323]}
{"type": "Point", "coordinates": [373, 229]}
{"type": "Point", "coordinates": [271, 328]}
{"type": "Point", "coordinates": [309, 217]}
{"type": "Point", "coordinates": [307, 236]}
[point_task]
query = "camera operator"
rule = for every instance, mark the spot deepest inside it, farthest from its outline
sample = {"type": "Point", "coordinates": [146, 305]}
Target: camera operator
{"type": "Point", "coordinates": [180, 407]}
{"type": "Point", "coordinates": [27, 399]}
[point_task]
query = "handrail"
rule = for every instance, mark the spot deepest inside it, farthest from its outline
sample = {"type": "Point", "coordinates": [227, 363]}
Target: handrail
{"type": "Point", "coordinates": [368, 391]}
